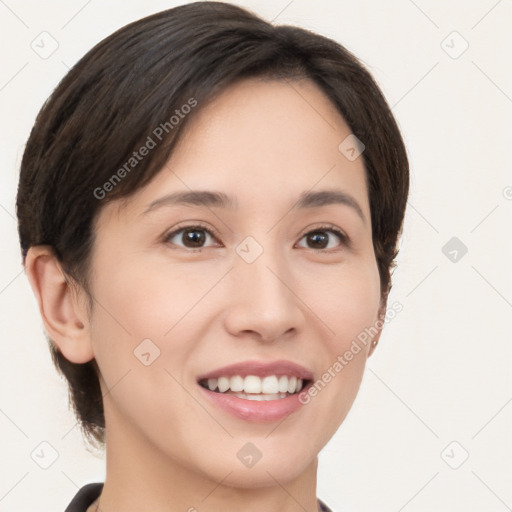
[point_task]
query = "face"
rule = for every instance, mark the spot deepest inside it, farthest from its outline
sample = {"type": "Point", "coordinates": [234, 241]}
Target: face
{"type": "Point", "coordinates": [182, 290]}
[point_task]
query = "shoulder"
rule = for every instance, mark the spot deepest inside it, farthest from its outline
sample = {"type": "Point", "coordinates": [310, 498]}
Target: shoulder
{"type": "Point", "coordinates": [84, 497]}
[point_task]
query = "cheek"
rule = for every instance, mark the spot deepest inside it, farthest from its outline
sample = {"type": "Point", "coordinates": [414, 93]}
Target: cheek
{"type": "Point", "coordinates": [142, 300]}
{"type": "Point", "coordinates": [347, 304]}
{"type": "Point", "coordinates": [135, 327]}
{"type": "Point", "coordinates": [344, 299]}
{"type": "Point", "coordinates": [143, 334]}
{"type": "Point", "coordinates": [151, 314]}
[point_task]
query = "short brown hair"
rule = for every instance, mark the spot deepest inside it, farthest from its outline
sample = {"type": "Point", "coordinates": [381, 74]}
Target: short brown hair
{"type": "Point", "coordinates": [133, 81]}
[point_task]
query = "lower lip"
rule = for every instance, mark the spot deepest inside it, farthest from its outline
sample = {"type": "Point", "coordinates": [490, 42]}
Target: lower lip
{"type": "Point", "coordinates": [253, 410]}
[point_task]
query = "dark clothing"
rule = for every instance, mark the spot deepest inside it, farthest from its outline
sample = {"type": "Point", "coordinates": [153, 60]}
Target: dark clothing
{"type": "Point", "coordinates": [84, 497]}
{"type": "Point", "coordinates": [88, 493]}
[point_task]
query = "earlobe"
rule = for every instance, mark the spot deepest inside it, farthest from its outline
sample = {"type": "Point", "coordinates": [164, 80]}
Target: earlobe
{"type": "Point", "coordinates": [65, 319]}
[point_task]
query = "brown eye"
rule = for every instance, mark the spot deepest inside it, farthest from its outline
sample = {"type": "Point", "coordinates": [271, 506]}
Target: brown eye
{"type": "Point", "coordinates": [192, 237]}
{"type": "Point", "coordinates": [320, 239]}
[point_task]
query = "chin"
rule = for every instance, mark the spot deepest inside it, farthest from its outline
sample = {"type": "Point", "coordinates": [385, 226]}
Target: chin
{"type": "Point", "coordinates": [265, 474]}
{"type": "Point", "coordinates": [253, 467]}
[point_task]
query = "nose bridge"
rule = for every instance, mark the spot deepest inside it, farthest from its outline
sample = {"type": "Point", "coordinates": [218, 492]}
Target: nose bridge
{"type": "Point", "coordinates": [263, 301]}
{"type": "Point", "coordinates": [262, 267]}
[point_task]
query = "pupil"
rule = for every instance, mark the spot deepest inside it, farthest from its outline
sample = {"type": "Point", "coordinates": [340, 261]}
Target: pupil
{"type": "Point", "coordinates": [194, 236]}
{"type": "Point", "coordinates": [315, 237]}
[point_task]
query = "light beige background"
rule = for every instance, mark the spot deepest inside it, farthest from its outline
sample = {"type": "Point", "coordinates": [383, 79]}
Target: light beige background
{"type": "Point", "coordinates": [441, 373]}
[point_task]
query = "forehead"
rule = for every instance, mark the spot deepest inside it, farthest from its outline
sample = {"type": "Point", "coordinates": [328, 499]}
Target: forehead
{"type": "Point", "coordinates": [261, 140]}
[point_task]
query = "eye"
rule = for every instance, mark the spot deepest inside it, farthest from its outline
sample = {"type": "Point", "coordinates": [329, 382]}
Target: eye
{"type": "Point", "coordinates": [320, 239]}
{"type": "Point", "coordinates": [192, 236]}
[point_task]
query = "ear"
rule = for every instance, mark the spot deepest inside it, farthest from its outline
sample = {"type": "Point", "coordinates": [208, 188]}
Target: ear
{"type": "Point", "coordinates": [381, 315]}
{"type": "Point", "coordinates": [65, 318]}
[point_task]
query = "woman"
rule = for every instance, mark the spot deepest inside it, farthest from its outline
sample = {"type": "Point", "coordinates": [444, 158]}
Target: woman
{"type": "Point", "coordinates": [209, 208]}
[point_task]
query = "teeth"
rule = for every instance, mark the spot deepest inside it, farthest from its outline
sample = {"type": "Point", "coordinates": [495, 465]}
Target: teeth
{"type": "Point", "coordinates": [283, 384]}
{"type": "Point", "coordinates": [269, 386]}
{"type": "Point", "coordinates": [252, 384]}
{"type": "Point", "coordinates": [292, 384]}
{"type": "Point", "coordinates": [261, 397]}
{"type": "Point", "coordinates": [236, 383]}
{"type": "Point", "coordinates": [223, 384]}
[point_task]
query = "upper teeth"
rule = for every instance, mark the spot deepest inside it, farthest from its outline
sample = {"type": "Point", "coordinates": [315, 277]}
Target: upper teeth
{"type": "Point", "coordinates": [253, 384]}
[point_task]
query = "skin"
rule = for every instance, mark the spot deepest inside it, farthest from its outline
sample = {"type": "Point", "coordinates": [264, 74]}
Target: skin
{"type": "Point", "coordinates": [167, 448]}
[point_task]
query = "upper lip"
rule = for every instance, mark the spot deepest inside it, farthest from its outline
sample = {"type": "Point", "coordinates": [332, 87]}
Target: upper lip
{"type": "Point", "coordinates": [260, 369]}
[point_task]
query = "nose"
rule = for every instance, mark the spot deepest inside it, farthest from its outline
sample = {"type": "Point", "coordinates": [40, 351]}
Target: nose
{"type": "Point", "coordinates": [264, 303]}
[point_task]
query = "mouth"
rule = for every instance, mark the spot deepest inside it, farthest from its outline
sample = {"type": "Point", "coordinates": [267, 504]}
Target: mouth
{"type": "Point", "coordinates": [257, 390]}
{"type": "Point", "coordinates": [254, 387]}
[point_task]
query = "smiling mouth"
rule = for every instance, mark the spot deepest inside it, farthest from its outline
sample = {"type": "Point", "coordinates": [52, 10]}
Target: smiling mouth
{"type": "Point", "coordinates": [252, 387]}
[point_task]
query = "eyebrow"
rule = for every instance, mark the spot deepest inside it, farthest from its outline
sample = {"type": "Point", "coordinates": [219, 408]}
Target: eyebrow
{"type": "Point", "coordinates": [214, 199]}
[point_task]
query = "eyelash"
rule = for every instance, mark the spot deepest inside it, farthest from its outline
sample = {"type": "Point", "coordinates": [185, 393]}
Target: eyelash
{"type": "Point", "coordinates": [200, 227]}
